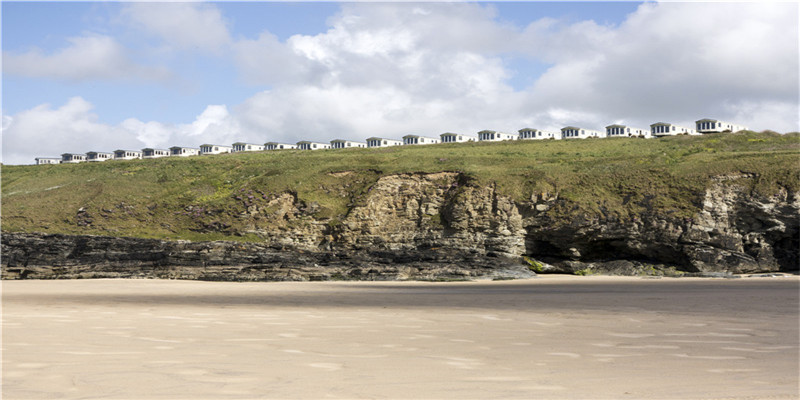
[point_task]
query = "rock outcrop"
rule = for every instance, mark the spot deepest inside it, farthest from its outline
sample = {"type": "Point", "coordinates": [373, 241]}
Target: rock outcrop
{"type": "Point", "coordinates": [43, 256]}
{"type": "Point", "coordinates": [735, 231]}
{"type": "Point", "coordinates": [440, 226]}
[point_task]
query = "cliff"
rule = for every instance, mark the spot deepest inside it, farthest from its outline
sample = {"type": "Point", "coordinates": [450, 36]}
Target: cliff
{"type": "Point", "coordinates": [715, 203]}
{"type": "Point", "coordinates": [440, 226]}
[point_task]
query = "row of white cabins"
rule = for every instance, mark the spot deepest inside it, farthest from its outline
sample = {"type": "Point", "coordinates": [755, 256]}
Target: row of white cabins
{"type": "Point", "coordinates": [657, 129]}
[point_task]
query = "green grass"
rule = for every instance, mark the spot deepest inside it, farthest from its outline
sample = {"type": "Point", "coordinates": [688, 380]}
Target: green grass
{"type": "Point", "coordinates": [533, 265]}
{"type": "Point", "coordinates": [202, 198]}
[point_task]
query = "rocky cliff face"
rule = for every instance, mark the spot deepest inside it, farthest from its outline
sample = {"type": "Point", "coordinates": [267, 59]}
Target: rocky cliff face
{"type": "Point", "coordinates": [439, 226]}
{"type": "Point", "coordinates": [735, 231]}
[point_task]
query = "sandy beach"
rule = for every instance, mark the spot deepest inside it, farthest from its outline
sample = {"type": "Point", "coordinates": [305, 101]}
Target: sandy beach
{"type": "Point", "coordinates": [553, 337]}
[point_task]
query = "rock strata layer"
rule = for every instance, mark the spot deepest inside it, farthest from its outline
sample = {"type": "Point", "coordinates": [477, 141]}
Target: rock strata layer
{"type": "Point", "coordinates": [441, 227]}
{"type": "Point", "coordinates": [38, 256]}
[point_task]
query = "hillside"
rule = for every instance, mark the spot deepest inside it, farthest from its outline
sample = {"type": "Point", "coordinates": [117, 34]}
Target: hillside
{"type": "Point", "coordinates": [176, 197]}
{"type": "Point", "coordinates": [312, 198]}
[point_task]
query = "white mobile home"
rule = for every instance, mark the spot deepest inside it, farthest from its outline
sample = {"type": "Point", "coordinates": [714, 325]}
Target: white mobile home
{"type": "Point", "coordinates": [47, 160]}
{"type": "Point", "coordinates": [666, 129]}
{"type": "Point", "coordinates": [450, 137]}
{"type": "Point", "coordinates": [346, 144]}
{"type": "Point", "coordinates": [127, 154]}
{"type": "Point", "coordinates": [537, 134]}
{"type": "Point", "coordinates": [98, 156]}
{"type": "Point", "coordinates": [241, 146]}
{"type": "Point", "coordinates": [154, 153]}
{"type": "Point", "coordinates": [72, 158]}
{"type": "Point", "coordinates": [617, 130]}
{"type": "Point", "coordinates": [279, 146]}
{"type": "Point", "coordinates": [417, 139]}
{"type": "Point", "coordinates": [383, 142]}
{"type": "Point", "coordinates": [214, 149]}
{"type": "Point", "coordinates": [307, 145]}
{"type": "Point", "coordinates": [178, 151]}
{"type": "Point", "coordinates": [494, 136]}
{"type": "Point", "coordinates": [712, 126]}
{"type": "Point", "coordinates": [574, 132]}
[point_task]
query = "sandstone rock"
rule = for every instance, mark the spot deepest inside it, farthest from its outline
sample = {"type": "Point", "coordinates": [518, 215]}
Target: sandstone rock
{"type": "Point", "coordinates": [434, 226]}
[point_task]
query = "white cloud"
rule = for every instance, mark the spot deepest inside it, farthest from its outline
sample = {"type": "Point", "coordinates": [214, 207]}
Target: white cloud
{"type": "Point", "coordinates": [783, 116]}
{"type": "Point", "coordinates": [380, 69]}
{"type": "Point", "coordinates": [73, 128]}
{"type": "Point", "coordinates": [46, 132]}
{"type": "Point", "coordinates": [86, 58]}
{"type": "Point", "coordinates": [266, 60]}
{"type": "Point", "coordinates": [378, 45]}
{"type": "Point", "coordinates": [150, 134]}
{"type": "Point", "coordinates": [680, 61]}
{"type": "Point", "coordinates": [182, 25]}
{"type": "Point", "coordinates": [437, 67]}
{"type": "Point", "coordinates": [214, 125]}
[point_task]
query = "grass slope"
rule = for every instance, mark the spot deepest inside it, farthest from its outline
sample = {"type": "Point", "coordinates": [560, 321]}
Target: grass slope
{"type": "Point", "coordinates": [164, 198]}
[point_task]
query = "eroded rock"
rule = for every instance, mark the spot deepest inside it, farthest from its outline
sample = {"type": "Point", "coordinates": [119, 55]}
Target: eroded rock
{"type": "Point", "coordinates": [438, 226]}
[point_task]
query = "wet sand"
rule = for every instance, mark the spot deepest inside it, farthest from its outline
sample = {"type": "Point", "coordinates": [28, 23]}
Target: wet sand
{"type": "Point", "coordinates": [549, 337]}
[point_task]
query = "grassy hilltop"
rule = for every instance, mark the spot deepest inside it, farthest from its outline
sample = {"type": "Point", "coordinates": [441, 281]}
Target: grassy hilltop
{"type": "Point", "coordinates": [164, 198]}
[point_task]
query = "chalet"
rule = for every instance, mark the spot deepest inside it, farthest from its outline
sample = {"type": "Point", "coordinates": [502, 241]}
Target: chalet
{"type": "Point", "coordinates": [127, 154]}
{"type": "Point", "coordinates": [573, 132]}
{"type": "Point", "coordinates": [626, 131]}
{"type": "Point", "coordinates": [307, 145]}
{"type": "Point", "coordinates": [537, 134]}
{"type": "Point", "coordinates": [666, 129]}
{"type": "Point", "coordinates": [494, 136]}
{"type": "Point", "coordinates": [72, 158]}
{"type": "Point", "coordinates": [450, 137]}
{"type": "Point", "coordinates": [713, 126]}
{"type": "Point", "coordinates": [383, 142]}
{"type": "Point", "coordinates": [279, 146]}
{"type": "Point", "coordinates": [416, 139]}
{"type": "Point", "coordinates": [155, 153]}
{"type": "Point", "coordinates": [47, 160]}
{"type": "Point", "coordinates": [214, 149]}
{"type": "Point", "coordinates": [241, 146]}
{"type": "Point", "coordinates": [97, 156]}
{"type": "Point", "coordinates": [178, 151]}
{"type": "Point", "coordinates": [346, 144]}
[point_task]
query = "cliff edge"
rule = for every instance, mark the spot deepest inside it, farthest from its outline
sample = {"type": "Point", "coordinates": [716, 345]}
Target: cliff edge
{"type": "Point", "coordinates": [439, 225]}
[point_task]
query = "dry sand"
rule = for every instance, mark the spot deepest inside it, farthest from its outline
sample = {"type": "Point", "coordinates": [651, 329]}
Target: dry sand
{"type": "Point", "coordinates": [550, 337]}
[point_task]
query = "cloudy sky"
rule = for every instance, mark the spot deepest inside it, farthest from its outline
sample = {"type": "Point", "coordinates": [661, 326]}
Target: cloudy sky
{"type": "Point", "coordinates": [91, 76]}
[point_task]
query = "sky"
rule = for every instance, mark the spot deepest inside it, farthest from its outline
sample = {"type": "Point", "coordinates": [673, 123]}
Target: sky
{"type": "Point", "coordinates": [101, 76]}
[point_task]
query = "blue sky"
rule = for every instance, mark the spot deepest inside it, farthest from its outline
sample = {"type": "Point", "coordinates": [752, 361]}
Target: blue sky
{"type": "Point", "coordinates": [47, 25]}
{"type": "Point", "coordinates": [100, 76]}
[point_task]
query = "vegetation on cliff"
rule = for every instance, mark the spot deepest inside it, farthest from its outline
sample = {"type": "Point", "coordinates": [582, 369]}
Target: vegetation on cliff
{"type": "Point", "coordinates": [212, 197]}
